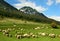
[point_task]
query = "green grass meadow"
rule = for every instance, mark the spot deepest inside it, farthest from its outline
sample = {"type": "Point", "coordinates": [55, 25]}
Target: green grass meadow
{"type": "Point", "coordinates": [28, 27]}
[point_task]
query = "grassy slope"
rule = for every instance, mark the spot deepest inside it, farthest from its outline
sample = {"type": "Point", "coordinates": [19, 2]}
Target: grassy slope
{"type": "Point", "coordinates": [8, 23]}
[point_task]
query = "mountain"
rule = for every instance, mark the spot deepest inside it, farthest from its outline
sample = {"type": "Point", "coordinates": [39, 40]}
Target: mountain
{"type": "Point", "coordinates": [30, 10]}
{"type": "Point", "coordinates": [25, 13]}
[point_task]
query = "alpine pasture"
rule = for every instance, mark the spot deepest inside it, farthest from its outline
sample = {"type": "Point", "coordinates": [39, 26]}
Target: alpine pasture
{"type": "Point", "coordinates": [20, 30]}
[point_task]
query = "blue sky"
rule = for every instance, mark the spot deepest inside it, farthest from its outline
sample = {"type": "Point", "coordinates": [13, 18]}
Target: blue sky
{"type": "Point", "coordinates": [50, 8]}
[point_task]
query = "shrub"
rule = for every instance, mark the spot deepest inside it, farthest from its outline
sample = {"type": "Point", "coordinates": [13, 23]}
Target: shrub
{"type": "Point", "coordinates": [54, 25]}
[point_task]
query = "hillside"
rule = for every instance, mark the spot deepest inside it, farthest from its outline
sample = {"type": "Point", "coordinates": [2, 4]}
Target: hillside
{"type": "Point", "coordinates": [19, 27]}
{"type": "Point", "coordinates": [6, 10]}
{"type": "Point", "coordinates": [26, 24]}
{"type": "Point", "coordinates": [5, 5]}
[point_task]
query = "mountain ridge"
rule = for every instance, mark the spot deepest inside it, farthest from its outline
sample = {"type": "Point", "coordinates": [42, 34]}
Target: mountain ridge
{"type": "Point", "coordinates": [30, 10]}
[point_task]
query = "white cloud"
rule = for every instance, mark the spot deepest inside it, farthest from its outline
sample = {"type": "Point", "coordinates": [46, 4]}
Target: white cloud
{"type": "Point", "coordinates": [19, 5]}
{"type": "Point", "coordinates": [55, 18]}
{"type": "Point", "coordinates": [50, 2]}
{"type": "Point", "coordinates": [22, 1]}
{"type": "Point", "coordinates": [31, 4]}
{"type": "Point", "coordinates": [57, 1]}
{"type": "Point", "coordinates": [40, 8]}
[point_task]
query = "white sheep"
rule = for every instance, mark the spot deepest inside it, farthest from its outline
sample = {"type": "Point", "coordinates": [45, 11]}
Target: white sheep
{"type": "Point", "coordinates": [30, 34]}
{"type": "Point", "coordinates": [7, 35]}
{"type": "Point", "coordinates": [43, 34]}
{"type": "Point", "coordinates": [35, 36]}
{"type": "Point", "coordinates": [26, 35]}
{"type": "Point", "coordinates": [52, 35]}
{"type": "Point", "coordinates": [18, 36]}
{"type": "Point", "coordinates": [3, 30]}
{"type": "Point", "coordinates": [6, 32]}
{"type": "Point", "coordinates": [9, 29]}
{"type": "Point", "coordinates": [37, 28]}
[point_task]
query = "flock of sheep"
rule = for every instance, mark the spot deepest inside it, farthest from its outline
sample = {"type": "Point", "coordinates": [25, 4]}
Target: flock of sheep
{"type": "Point", "coordinates": [20, 35]}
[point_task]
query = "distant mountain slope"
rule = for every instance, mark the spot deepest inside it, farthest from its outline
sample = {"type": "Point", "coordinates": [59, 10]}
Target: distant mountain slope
{"type": "Point", "coordinates": [29, 10]}
{"type": "Point", "coordinates": [25, 13]}
{"type": "Point", "coordinates": [40, 16]}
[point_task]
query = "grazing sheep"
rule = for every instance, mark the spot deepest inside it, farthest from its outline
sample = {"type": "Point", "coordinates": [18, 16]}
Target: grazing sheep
{"type": "Point", "coordinates": [26, 35]}
{"type": "Point", "coordinates": [52, 35]}
{"type": "Point", "coordinates": [7, 35]}
{"type": "Point", "coordinates": [18, 33]}
{"type": "Point", "coordinates": [43, 34]}
{"type": "Point", "coordinates": [37, 28]}
{"type": "Point", "coordinates": [9, 29]}
{"type": "Point", "coordinates": [3, 30]}
{"type": "Point", "coordinates": [35, 36]}
{"type": "Point", "coordinates": [30, 34]}
{"type": "Point", "coordinates": [18, 36]}
{"type": "Point", "coordinates": [6, 32]}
